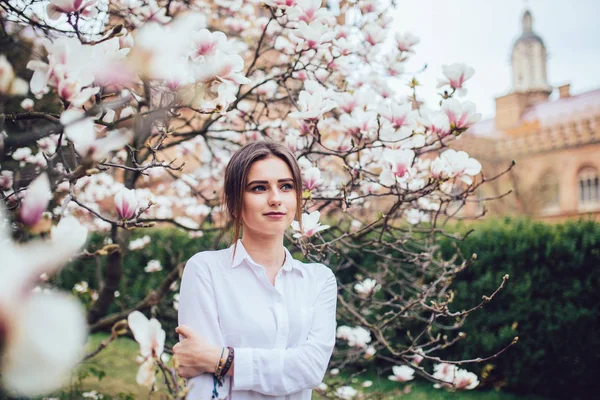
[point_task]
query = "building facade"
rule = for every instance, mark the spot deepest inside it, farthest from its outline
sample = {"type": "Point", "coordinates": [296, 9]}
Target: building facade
{"type": "Point", "coordinates": [555, 143]}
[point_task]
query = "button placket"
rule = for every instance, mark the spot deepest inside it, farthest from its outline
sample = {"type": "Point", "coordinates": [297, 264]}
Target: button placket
{"type": "Point", "coordinates": [282, 315]}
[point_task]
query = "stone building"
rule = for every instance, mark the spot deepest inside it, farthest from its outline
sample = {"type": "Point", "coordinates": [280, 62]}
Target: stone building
{"type": "Point", "coordinates": [555, 143]}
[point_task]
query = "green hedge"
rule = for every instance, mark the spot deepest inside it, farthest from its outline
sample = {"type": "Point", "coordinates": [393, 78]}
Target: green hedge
{"type": "Point", "coordinates": [551, 302]}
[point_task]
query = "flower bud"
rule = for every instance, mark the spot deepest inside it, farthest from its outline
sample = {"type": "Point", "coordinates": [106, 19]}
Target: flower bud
{"type": "Point", "coordinates": [125, 203]}
{"type": "Point", "coordinates": [35, 201]}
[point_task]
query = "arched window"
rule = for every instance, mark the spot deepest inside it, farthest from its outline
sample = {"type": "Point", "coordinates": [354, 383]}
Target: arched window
{"type": "Point", "coordinates": [589, 186]}
{"type": "Point", "coordinates": [549, 191]}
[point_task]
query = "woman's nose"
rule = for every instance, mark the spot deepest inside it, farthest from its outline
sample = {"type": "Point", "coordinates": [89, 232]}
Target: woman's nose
{"type": "Point", "coordinates": [275, 197]}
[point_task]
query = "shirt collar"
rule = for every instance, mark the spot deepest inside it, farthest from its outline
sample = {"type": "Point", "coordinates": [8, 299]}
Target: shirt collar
{"type": "Point", "coordinates": [241, 254]}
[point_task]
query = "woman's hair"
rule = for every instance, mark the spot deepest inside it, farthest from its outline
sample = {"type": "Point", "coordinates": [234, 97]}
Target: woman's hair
{"type": "Point", "coordinates": [236, 177]}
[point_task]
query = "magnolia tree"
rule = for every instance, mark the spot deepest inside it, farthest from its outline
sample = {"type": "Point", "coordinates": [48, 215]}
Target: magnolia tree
{"type": "Point", "coordinates": [126, 115]}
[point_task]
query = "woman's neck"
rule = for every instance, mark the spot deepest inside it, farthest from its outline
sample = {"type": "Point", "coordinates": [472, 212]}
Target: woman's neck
{"type": "Point", "coordinates": [267, 251]}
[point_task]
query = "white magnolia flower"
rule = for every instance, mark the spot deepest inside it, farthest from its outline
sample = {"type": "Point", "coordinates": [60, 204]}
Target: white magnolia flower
{"type": "Point", "coordinates": [80, 130]}
{"type": "Point", "coordinates": [308, 11]}
{"type": "Point", "coordinates": [367, 384]}
{"type": "Point", "coordinates": [310, 225]}
{"type": "Point", "coordinates": [402, 373]}
{"type": "Point", "coordinates": [367, 287]}
{"type": "Point", "coordinates": [343, 332]}
{"type": "Point", "coordinates": [465, 380]}
{"type": "Point", "coordinates": [445, 373]}
{"type": "Point", "coordinates": [81, 287]}
{"type": "Point", "coordinates": [139, 243]}
{"type": "Point", "coordinates": [21, 154]}
{"type": "Point", "coordinates": [313, 36]}
{"type": "Point", "coordinates": [312, 106]}
{"type": "Point", "coordinates": [153, 266]}
{"type": "Point", "coordinates": [151, 338]}
{"type": "Point", "coordinates": [415, 216]}
{"type": "Point", "coordinates": [311, 178]}
{"type": "Point", "coordinates": [406, 41]}
{"type": "Point", "coordinates": [370, 352]}
{"type": "Point", "coordinates": [43, 333]}
{"type": "Point", "coordinates": [36, 200]}
{"type": "Point", "coordinates": [397, 164]}
{"type": "Point", "coordinates": [11, 84]}
{"type": "Point", "coordinates": [460, 115]}
{"type": "Point", "coordinates": [346, 392]}
{"type": "Point", "coordinates": [58, 7]}
{"type": "Point", "coordinates": [455, 76]}
{"type": "Point", "coordinates": [455, 164]}
{"type": "Point", "coordinates": [356, 337]}
{"type": "Point", "coordinates": [437, 123]}
{"type": "Point", "coordinates": [6, 180]}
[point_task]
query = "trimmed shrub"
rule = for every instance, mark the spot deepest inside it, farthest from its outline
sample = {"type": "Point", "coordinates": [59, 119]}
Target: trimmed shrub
{"type": "Point", "coordinates": [551, 302]}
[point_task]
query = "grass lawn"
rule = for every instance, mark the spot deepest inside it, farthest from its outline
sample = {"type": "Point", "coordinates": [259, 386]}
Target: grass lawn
{"type": "Point", "coordinates": [118, 365]}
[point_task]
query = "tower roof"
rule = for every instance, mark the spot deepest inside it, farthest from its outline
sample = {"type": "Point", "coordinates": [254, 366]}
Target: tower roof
{"type": "Point", "coordinates": [528, 35]}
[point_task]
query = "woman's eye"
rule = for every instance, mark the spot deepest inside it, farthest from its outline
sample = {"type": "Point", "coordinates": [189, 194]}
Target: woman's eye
{"type": "Point", "coordinates": [288, 186]}
{"type": "Point", "coordinates": [258, 188]}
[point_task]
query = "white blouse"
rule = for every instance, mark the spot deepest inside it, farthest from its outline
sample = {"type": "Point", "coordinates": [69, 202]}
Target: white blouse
{"type": "Point", "coordinates": [283, 335]}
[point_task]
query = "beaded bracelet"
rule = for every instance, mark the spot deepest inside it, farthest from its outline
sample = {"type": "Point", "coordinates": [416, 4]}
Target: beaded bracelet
{"type": "Point", "coordinates": [229, 361]}
{"type": "Point", "coordinates": [217, 377]}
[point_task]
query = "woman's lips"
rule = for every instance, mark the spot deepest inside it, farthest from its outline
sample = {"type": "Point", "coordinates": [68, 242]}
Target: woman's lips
{"type": "Point", "coordinates": [275, 216]}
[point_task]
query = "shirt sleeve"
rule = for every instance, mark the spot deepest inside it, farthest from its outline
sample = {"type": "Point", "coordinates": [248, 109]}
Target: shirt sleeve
{"type": "Point", "coordinates": [198, 310]}
{"type": "Point", "coordinates": [279, 372]}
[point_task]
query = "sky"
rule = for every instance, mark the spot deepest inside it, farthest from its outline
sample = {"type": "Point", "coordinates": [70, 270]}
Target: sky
{"type": "Point", "coordinates": [481, 34]}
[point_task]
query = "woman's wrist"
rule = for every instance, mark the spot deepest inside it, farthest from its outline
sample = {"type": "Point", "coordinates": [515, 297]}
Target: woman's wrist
{"type": "Point", "coordinates": [212, 359]}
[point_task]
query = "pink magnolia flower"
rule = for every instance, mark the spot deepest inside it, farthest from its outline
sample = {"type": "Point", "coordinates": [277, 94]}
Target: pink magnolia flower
{"type": "Point", "coordinates": [310, 225]}
{"type": "Point", "coordinates": [460, 115]}
{"type": "Point", "coordinates": [455, 164]}
{"type": "Point", "coordinates": [397, 164]}
{"type": "Point", "coordinates": [222, 68]}
{"type": "Point", "coordinates": [347, 102]}
{"type": "Point", "coordinates": [43, 334]}
{"type": "Point", "coordinates": [284, 4]}
{"type": "Point", "coordinates": [402, 373]}
{"type": "Point", "coordinates": [313, 36]}
{"type": "Point", "coordinates": [406, 41]}
{"type": "Point", "coordinates": [125, 203]}
{"type": "Point", "coordinates": [455, 76]}
{"type": "Point", "coordinates": [312, 106]}
{"type": "Point", "coordinates": [454, 377]}
{"type": "Point", "coordinates": [151, 338]}
{"type": "Point", "coordinates": [436, 123]}
{"type": "Point", "coordinates": [311, 178]}
{"type": "Point", "coordinates": [58, 7]}
{"type": "Point", "coordinates": [360, 123]}
{"type": "Point", "coordinates": [308, 11]}
{"type": "Point", "coordinates": [399, 115]}
{"type": "Point", "coordinates": [465, 380]}
{"type": "Point", "coordinates": [71, 91]}
{"type": "Point", "coordinates": [36, 200]}
{"type": "Point", "coordinates": [374, 34]}
{"type": "Point", "coordinates": [6, 180]}
{"type": "Point", "coordinates": [207, 43]}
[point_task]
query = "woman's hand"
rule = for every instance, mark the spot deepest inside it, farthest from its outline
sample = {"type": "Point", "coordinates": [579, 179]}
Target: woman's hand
{"type": "Point", "coordinates": [194, 354]}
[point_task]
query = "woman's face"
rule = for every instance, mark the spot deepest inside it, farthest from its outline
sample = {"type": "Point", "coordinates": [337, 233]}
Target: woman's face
{"type": "Point", "coordinates": [269, 203]}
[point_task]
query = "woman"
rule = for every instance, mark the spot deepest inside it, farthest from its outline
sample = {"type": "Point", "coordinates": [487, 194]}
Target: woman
{"type": "Point", "coordinates": [253, 301]}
